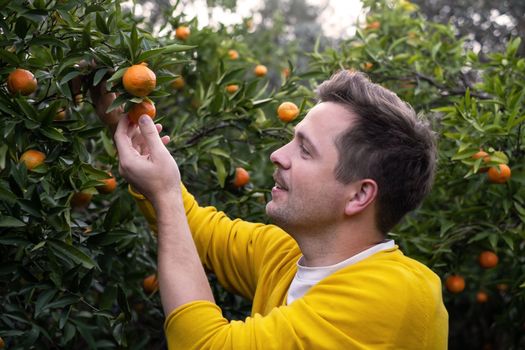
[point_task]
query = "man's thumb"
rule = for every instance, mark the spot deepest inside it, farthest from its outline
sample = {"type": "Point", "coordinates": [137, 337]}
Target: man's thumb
{"type": "Point", "coordinates": [149, 131]}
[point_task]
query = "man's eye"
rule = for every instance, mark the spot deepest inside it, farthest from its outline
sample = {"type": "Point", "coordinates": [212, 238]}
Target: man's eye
{"type": "Point", "coordinates": [304, 150]}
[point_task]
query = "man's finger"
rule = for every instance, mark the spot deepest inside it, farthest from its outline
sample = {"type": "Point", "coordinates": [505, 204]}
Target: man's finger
{"type": "Point", "coordinates": [123, 140]}
{"type": "Point", "coordinates": [150, 134]}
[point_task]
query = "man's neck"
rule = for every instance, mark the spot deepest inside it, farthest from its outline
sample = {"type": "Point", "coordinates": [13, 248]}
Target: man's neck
{"type": "Point", "coordinates": [333, 246]}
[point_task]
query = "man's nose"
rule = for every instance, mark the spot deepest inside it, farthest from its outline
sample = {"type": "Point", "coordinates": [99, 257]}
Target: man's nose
{"type": "Point", "coordinates": [280, 158]}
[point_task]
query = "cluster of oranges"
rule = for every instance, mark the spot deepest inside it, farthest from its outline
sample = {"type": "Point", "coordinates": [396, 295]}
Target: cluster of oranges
{"type": "Point", "coordinates": [140, 81]}
{"type": "Point", "coordinates": [455, 283]}
{"type": "Point", "coordinates": [499, 174]}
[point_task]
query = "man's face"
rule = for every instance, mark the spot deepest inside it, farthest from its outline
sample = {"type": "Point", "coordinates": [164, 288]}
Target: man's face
{"type": "Point", "coordinates": [306, 193]}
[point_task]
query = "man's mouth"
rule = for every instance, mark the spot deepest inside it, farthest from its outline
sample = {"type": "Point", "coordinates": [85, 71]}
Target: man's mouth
{"type": "Point", "coordinates": [279, 183]}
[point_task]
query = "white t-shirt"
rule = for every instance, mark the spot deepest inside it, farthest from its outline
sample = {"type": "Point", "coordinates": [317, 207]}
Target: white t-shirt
{"type": "Point", "coordinates": [307, 277]}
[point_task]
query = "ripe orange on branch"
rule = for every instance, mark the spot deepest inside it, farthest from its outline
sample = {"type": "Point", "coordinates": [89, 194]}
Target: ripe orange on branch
{"type": "Point", "coordinates": [21, 81]}
{"type": "Point", "coordinates": [260, 70]}
{"type": "Point", "coordinates": [138, 109]}
{"type": "Point", "coordinates": [455, 284]}
{"type": "Point", "coordinates": [178, 83]}
{"type": "Point", "coordinates": [182, 33]}
{"type": "Point", "coordinates": [232, 88]}
{"type": "Point", "coordinates": [32, 158]}
{"type": "Point", "coordinates": [482, 297]}
{"type": "Point", "coordinates": [500, 174]}
{"type": "Point", "coordinates": [109, 185]}
{"type": "Point", "coordinates": [139, 80]}
{"type": "Point", "coordinates": [488, 259]}
{"type": "Point", "coordinates": [287, 111]}
{"type": "Point", "coordinates": [81, 200]}
{"type": "Point", "coordinates": [233, 54]}
{"type": "Point", "coordinates": [150, 284]}
{"type": "Point", "coordinates": [486, 159]}
{"type": "Point", "coordinates": [242, 177]}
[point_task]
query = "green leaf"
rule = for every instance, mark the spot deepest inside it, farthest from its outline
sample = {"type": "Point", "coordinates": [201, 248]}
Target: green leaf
{"type": "Point", "coordinates": [43, 299]}
{"type": "Point", "coordinates": [69, 252]}
{"type": "Point", "coordinates": [9, 221]}
{"type": "Point", "coordinates": [69, 76]}
{"type": "Point", "coordinates": [53, 133]}
{"type": "Point", "coordinates": [118, 102]}
{"type": "Point", "coordinates": [221, 170]}
{"type": "Point", "coordinates": [9, 57]}
{"type": "Point", "coordinates": [99, 75]}
{"type": "Point", "coordinates": [123, 302]}
{"type": "Point", "coordinates": [101, 24]}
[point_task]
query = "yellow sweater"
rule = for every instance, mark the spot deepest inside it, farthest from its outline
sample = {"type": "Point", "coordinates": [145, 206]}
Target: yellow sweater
{"type": "Point", "coordinates": [386, 301]}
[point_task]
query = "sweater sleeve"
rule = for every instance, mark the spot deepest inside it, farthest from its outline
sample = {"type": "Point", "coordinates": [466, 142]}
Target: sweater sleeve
{"type": "Point", "coordinates": [233, 249]}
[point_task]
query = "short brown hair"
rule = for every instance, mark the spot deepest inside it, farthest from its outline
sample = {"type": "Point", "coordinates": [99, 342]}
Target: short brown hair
{"type": "Point", "coordinates": [387, 143]}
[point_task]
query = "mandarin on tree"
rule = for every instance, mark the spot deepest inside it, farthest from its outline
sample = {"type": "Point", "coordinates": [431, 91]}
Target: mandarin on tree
{"type": "Point", "coordinates": [2, 343]}
{"type": "Point", "coordinates": [373, 25]}
{"type": "Point", "coordinates": [179, 83]}
{"type": "Point", "coordinates": [482, 297]}
{"type": "Point", "coordinates": [232, 88]}
{"type": "Point", "coordinates": [367, 66]}
{"type": "Point", "coordinates": [109, 185]}
{"type": "Point", "coordinates": [287, 111]}
{"type": "Point", "coordinates": [150, 284]}
{"type": "Point", "coordinates": [21, 81]}
{"type": "Point", "coordinates": [138, 109]}
{"type": "Point", "coordinates": [139, 80]}
{"type": "Point", "coordinates": [182, 33]}
{"type": "Point", "coordinates": [486, 159]}
{"type": "Point", "coordinates": [81, 200]}
{"type": "Point", "coordinates": [260, 70]}
{"type": "Point", "coordinates": [32, 158]}
{"type": "Point", "coordinates": [242, 177]}
{"type": "Point", "coordinates": [455, 284]}
{"type": "Point", "coordinates": [488, 259]}
{"type": "Point", "coordinates": [61, 114]}
{"type": "Point", "coordinates": [233, 54]}
{"type": "Point", "coordinates": [500, 174]}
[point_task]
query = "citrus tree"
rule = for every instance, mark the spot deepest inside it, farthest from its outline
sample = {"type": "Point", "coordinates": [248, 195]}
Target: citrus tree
{"type": "Point", "coordinates": [78, 261]}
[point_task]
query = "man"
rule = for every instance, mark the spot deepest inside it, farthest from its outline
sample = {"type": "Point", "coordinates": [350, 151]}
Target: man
{"type": "Point", "coordinates": [326, 276]}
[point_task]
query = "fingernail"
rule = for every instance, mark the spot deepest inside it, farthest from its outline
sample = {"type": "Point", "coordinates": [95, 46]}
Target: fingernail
{"type": "Point", "coordinates": [144, 119]}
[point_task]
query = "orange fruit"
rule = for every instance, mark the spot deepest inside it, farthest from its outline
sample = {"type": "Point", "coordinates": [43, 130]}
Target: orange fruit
{"type": "Point", "coordinates": [32, 158]}
{"type": "Point", "coordinates": [455, 284]}
{"type": "Point", "coordinates": [499, 176]}
{"type": "Point", "coordinates": [242, 177]}
{"type": "Point", "coordinates": [260, 70]}
{"type": "Point", "coordinates": [488, 259]}
{"type": "Point", "coordinates": [373, 25]}
{"type": "Point", "coordinates": [233, 54]}
{"type": "Point", "coordinates": [287, 111]}
{"type": "Point", "coordinates": [232, 88]}
{"type": "Point", "coordinates": [61, 114]}
{"type": "Point", "coordinates": [21, 81]}
{"type": "Point", "coordinates": [109, 185]}
{"type": "Point", "coordinates": [139, 80]}
{"type": "Point", "coordinates": [178, 83]}
{"type": "Point", "coordinates": [150, 284]}
{"type": "Point", "coordinates": [286, 72]}
{"type": "Point", "coordinates": [81, 199]}
{"type": "Point", "coordinates": [182, 33]}
{"type": "Point", "coordinates": [367, 66]}
{"type": "Point", "coordinates": [138, 109]}
{"type": "Point", "coordinates": [486, 159]}
{"type": "Point", "coordinates": [502, 287]}
{"type": "Point", "coordinates": [482, 297]}
{"type": "Point", "coordinates": [2, 343]}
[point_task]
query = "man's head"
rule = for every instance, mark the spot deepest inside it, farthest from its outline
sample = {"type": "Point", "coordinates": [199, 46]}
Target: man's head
{"type": "Point", "coordinates": [386, 142]}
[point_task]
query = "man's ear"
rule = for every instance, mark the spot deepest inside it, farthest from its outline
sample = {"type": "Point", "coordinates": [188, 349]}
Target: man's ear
{"type": "Point", "coordinates": [361, 195]}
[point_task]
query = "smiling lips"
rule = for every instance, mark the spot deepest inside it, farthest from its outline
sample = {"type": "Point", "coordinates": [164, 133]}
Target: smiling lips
{"type": "Point", "coordinates": [279, 183]}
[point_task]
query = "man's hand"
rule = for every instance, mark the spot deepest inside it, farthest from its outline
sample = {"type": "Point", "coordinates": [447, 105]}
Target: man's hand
{"type": "Point", "coordinates": [145, 162]}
